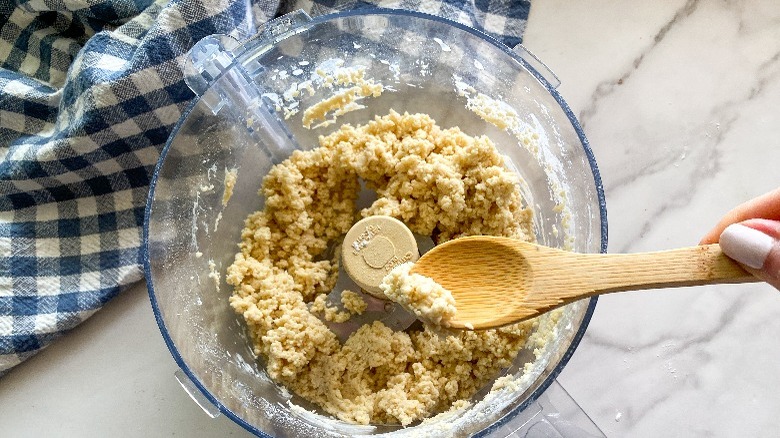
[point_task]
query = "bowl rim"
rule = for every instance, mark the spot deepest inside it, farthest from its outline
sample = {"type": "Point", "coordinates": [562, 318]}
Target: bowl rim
{"type": "Point", "coordinates": [488, 38]}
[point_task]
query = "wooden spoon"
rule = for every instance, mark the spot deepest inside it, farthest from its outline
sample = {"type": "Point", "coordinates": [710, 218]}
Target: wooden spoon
{"type": "Point", "coordinates": [498, 280]}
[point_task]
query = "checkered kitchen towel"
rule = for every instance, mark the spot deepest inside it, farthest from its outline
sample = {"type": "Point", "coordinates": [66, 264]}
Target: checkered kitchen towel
{"type": "Point", "coordinates": [89, 92]}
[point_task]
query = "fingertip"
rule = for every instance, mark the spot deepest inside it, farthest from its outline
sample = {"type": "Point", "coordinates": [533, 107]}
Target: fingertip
{"type": "Point", "coordinates": [755, 244]}
{"type": "Point", "coordinates": [711, 237]}
{"type": "Point", "coordinates": [747, 245]}
{"type": "Point", "coordinates": [707, 240]}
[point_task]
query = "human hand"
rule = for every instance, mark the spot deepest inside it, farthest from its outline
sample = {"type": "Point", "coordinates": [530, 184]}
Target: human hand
{"type": "Point", "coordinates": [750, 234]}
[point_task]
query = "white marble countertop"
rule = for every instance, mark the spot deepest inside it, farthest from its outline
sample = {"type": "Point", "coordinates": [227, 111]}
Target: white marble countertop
{"type": "Point", "coordinates": [679, 100]}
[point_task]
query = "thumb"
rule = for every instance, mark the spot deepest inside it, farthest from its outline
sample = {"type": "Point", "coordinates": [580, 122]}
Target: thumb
{"type": "Point", "coordinates": [755, 243]}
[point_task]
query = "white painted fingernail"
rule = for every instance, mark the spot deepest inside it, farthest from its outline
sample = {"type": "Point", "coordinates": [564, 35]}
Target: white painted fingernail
{"type": "Point", "coordinates": [746, 245]}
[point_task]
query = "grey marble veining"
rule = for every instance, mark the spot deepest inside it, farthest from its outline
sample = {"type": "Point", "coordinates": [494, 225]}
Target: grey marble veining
{"type": "Point", "coordinates": [608, 86]}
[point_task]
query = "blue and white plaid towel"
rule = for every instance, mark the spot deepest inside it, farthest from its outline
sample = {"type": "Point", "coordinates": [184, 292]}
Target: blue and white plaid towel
{"type": "Point", "coordinates": [89, 92]}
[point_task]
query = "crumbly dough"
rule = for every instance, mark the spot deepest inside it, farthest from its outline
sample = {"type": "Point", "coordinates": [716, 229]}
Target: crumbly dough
{"type": "Point", "coordinates": [421, 295]}
{"type": "Point", "coordinates": [352, 302]}
{"type": "Point", "coordinates": [441, 183]}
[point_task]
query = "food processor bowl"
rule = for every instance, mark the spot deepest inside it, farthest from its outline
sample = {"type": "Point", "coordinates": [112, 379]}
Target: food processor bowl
{"type": "Point", "coordinates": [251, 113]}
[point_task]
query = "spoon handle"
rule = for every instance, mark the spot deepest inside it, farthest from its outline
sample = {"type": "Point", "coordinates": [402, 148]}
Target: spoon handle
{"type": "Point", "coordinates": [691, 266]}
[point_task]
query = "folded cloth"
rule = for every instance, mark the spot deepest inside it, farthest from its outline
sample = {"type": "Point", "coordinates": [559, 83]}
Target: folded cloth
{"type": "Point", "coordinates": [89, 92]}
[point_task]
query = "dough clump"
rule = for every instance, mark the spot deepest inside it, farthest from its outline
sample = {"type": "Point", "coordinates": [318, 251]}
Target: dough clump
{"type": "Point", "coordinates": [441, 183]}
{"type": "Point", "coordinates": [352, 302]}
{"type": "Point", "coordinates": [421, 295]}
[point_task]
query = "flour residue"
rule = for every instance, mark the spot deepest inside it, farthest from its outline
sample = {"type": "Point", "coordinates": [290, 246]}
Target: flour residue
{"type": "Point", "coordinates": [341, 102]}
{"type": "Point", "coordinates": [214, 274]}
{"type": "Point", "coordinates": [344, 87]}
{"type": "Point", "coordinates": [443, 45]}
{"type": "Point", "coordinates": [499, 114]}
{"type": "Point", "coordinates": [230, 182]}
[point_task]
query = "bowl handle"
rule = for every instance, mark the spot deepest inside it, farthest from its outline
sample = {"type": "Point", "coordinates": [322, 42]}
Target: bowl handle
{"type": "Point", "coordinates": [536, 64]}
{"type": "Point", "coordinates": [225, 83]}
{"type": "Point", "coordinates": [196, 395]}
{"type": "Point", "coordinates": [553, 414]}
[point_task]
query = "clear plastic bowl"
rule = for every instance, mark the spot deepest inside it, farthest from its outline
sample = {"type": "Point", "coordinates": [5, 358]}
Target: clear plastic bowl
{"type": "Point", "coordinates": [425, 63]}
